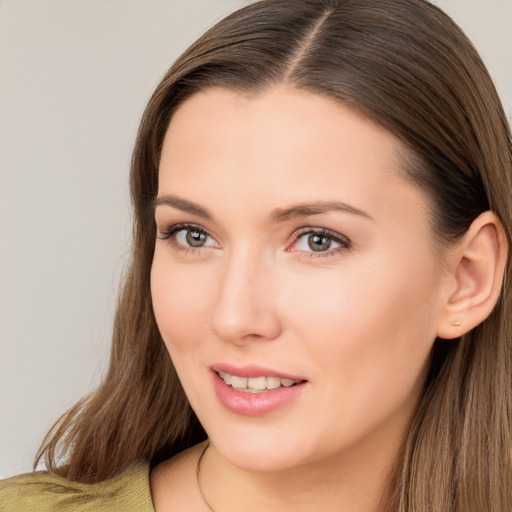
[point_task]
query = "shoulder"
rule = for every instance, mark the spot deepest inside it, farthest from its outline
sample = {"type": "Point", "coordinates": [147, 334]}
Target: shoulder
{"type": "Point", "coordinates": [45, 492]}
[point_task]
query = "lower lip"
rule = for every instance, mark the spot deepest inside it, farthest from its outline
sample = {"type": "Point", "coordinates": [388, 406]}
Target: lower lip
{"type": "Point", "coordinates": [255, 404]}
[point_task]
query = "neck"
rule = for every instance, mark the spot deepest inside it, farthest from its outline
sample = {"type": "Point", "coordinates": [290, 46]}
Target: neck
{"type": "Point", "coordinates": [348, 483]}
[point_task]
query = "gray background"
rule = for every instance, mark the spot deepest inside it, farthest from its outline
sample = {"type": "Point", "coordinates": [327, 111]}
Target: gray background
{"type": "Point", "coordinates": [74, 79]}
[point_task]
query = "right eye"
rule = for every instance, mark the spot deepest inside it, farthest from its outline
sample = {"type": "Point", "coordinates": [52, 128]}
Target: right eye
{"type": "Point", "coordinates": [188, 237]}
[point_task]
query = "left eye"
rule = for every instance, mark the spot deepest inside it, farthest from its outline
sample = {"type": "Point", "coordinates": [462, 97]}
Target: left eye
{"type": "Point", "coordinates": [319, 241]}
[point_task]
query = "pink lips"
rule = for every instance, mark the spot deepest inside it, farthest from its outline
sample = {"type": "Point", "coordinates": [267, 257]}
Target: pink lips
{"type": "Point", "coordinates": [252, 371]}
{"type": "Point", "coordinates": [254, 404]}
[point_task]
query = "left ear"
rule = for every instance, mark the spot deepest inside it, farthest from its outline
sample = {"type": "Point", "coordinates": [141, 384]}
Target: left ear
{"type": "Point", "coordinates": [476, 267]}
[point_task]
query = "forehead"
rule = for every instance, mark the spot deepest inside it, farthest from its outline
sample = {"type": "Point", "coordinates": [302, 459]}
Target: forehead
{"type": "Point", "coordinates": [276, 110]}
{"type": "Point", "coordinates": [280, 147]}
{"type": "Point", "coordinates": [280, 123]}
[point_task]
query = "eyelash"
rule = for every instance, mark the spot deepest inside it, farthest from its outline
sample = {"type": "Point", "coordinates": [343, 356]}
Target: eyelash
{"type": "Point", "coordinates": [170, 232]}
{"type": "Point", "coordinates": [345, 243]}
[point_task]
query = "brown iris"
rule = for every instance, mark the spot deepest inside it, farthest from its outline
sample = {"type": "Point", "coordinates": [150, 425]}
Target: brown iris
{"type": "Point", "coordinates": [195, 238]}
{"type": "Point", "coordinates": [319, 242]}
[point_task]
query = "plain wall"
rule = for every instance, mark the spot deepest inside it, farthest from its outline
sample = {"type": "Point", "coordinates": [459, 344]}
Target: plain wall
{"type": "Point", "coordinates": [74, 79]}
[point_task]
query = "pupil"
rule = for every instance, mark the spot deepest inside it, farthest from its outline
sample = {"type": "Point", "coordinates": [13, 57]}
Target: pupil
{"type": "Point", "coordinates": [195, 238]}
{"type": "Point", "coordinates": [319, 242]}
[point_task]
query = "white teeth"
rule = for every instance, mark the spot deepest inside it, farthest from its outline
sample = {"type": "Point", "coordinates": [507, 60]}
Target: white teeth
{"type": "Point", "coordinates": [259, 383]}
{"type": "Point", "coordinates": [273, 382]}
{"type": "Point", "coordinates": [255, 384]}
{"type": "Point", "coordinates": [238, 382]}
{"type": "Point", "coordinates": [226, 377]}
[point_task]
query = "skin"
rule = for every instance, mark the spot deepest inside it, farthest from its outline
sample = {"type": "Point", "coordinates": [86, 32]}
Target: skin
{"type": "Point", "coordinates": [356, 321]}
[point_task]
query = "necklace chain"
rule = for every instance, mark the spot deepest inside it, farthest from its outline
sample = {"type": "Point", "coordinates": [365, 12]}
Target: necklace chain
{"type": "Point", "coordinates": [198, 469]}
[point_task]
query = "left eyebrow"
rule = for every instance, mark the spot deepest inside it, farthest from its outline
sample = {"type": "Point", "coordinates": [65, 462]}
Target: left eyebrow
{"type": "Point", "coordinates": [316, 208]}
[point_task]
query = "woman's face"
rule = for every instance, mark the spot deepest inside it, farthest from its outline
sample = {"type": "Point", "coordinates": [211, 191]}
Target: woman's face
{"type": "Point", "coordinates": [291, 249]}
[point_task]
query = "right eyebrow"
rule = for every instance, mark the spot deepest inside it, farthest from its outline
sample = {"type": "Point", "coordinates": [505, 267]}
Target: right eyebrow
{"type": "Point", "coordinates": [182, 204]}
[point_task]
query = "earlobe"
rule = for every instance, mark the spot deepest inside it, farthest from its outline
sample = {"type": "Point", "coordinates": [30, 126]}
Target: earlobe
{"type": "Point", "coordinates": [477, 266]}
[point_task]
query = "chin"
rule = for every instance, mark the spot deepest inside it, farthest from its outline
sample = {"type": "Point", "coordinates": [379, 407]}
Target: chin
{"type": "Point", "coordinates": [254, 451]}
{"type": "Point", "coordinates": [257, 460]}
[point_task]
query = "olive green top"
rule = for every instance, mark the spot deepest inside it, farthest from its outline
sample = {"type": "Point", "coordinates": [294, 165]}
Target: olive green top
{"type": "Point", "coordinates": [47, 492]}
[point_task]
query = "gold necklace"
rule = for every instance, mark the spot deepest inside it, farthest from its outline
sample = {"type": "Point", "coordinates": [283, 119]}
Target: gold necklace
{"type": "Point", "coordinates": [198, 469]}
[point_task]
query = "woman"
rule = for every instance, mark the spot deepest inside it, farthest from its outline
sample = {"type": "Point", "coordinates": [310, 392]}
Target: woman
{"type": "Point", "coordinates": [317, 315]}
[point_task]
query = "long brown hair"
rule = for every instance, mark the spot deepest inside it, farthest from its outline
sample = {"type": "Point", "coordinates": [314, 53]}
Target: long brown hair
{"type": "Point", "coordinates": [408, 67]}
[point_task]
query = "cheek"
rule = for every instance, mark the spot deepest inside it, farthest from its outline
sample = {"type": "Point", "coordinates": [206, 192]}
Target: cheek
{"type": "Point", "coordinates": [367, 336]}
{"type": "Point", "coordinates": [369, 324]}
{"type": "Point", "coordinates": [180, 303]}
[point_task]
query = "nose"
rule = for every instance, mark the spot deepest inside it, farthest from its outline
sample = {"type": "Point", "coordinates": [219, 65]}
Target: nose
{"type": "Point", "coordinates": [245, 302]}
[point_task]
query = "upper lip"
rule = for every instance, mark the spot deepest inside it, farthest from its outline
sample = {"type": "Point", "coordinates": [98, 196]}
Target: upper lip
{"type": "Point", "coordinates": [253, 371]}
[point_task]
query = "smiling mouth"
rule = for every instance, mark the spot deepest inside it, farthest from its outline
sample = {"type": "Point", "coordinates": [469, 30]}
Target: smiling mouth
{"type": "Point", "coordinates": [256, 384]}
